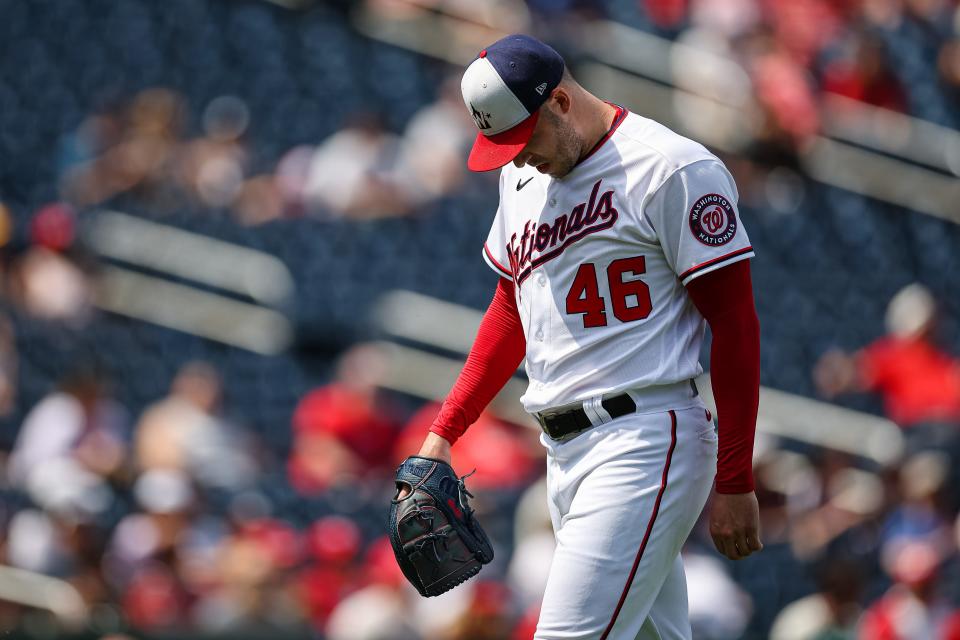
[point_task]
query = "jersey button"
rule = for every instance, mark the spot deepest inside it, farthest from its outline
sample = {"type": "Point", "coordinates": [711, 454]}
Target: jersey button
{"type": "Point", "coordinates": [539, 335]}
{"type": "Point", "coordinates": [553, 202]}
{"type": "Point", "coordinates": [542, 279]}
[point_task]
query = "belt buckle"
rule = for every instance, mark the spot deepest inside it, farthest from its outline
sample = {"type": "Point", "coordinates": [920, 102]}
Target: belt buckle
{"type": "Point", "coordinates": [542, 417]}
{"type": "Point", "coordinates": [540, 420]}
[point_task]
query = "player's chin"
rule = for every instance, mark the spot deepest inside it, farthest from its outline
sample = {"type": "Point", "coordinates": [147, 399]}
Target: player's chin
{"type": "Point", "coordinates": [555, 171]}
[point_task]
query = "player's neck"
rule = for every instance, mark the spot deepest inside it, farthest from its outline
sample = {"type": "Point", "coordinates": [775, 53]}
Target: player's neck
{"type": "Point", "coordinates": [597, 118]}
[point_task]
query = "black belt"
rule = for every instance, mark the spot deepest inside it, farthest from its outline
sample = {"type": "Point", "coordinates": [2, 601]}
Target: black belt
{"type": "Point", "coordinates": [562, 424]}
{"type": "Point", "coordinates": [559, 425]}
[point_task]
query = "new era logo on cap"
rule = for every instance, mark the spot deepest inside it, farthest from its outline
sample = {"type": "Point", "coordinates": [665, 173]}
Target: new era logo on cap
{"type": "Point", "coordinates": [503, 89]}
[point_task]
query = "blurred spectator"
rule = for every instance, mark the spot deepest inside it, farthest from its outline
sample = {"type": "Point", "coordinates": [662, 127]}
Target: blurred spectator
{"type": "Point", "coordinates": [803, 27]}
{"type": "Point", "coordinates": [69, 445]}
{"type": "Point", "coordinates": [250, 593]}
{"type": "Point", "coordinates": [137, 159]}
{"type": "Point", "coordinates": [185, 432]}
{"type": "Point", "coordinates": [912, 607]}
{"type": "Point", "coordinates": [666, 14]}
{"type": "Point", "coordinates": [434, 144]}
{"type": "Point", "coordinates": [862, 73]}
{"type": "Point", "coordinates": [46, 280]}
{"type": "Point", "coordinates": [527, 626]}
{"type": "Point", "coordinates": [918, 381]}
{"type": "Point", "coordinates": [921, 512]}
{"type": "Point", "coordinates": [787, 486]}
{"type": "Point", "coordinates": [349, 174]}
{"type": "Point", "coordinates": [154, 599]}
{"type": "Point", "coordinates": [97, 133]}
{"type": "Point", "coordinates": [143, 542]}
{"type": "Point", "coordinates": [832, 612]}
{"type": "Point", "coordinates": [488, 616]}
{"type": "Point", "coordinates": [260, 200]}
{"type": "Point", "coordinates": [212, 167]}
{"type": "Point", "coordinates": [378, 610]}
{"type": "Point", "coordinates": [934, 16]}
{"type": "Point", "coordinates": [36, 542]}
{"type": "Point", "coordinates": [375, 613]}
{"type": "Point", "coordinates": [732, 18]}
{"type": "Point", "coordinates": [719, 609]}
{"type": "Point", "coordinates": [346, 429]}
{"type": "Point", "coordinates": [534, 544]}
{"type": "Point", "coordinates": [854, 498]}
{"type": "Point", "coordinates": [784, 91]}
{"type": "Point", "coordinates": [949, 67]}
{"type": "Point", "coordinates": [333, 543]}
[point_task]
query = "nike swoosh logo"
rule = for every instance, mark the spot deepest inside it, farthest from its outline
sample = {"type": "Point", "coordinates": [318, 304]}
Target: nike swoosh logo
{"type": "Point", "coordinates": [522, 184]}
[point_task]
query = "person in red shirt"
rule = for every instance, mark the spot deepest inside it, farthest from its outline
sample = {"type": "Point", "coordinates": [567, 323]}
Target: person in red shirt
{"type": "Point", "coordinates": [345, 429]}
{"type": "Point", "coordinates": [864, 75]}
{"type": "Point", "coordinates": [918, 382]}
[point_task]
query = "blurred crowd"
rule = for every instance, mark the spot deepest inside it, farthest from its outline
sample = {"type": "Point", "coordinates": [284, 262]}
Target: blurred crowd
{"type": "Point", "coordinates": [900, 55]}
{"type": "Point", "coordinates": [893, 54]}
{"type": "Point", "coordinates": [139, 148]}
{"type": "Point", "coordinates": [177, 517]}
{"type": "Point", "coordinates": [180, 518]}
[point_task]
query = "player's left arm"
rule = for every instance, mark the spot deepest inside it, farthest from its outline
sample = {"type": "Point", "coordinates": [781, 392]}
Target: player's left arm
{"type": "Point", "coordinates": [725, 299]}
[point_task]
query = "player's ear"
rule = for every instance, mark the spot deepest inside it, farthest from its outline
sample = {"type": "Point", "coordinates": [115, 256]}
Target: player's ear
{"type": "Point", "coordinates": [561, 99]}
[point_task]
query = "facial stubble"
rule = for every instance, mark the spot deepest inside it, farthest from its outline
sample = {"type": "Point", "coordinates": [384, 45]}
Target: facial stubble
{"type": "Point", "coordinates": [569, 144]}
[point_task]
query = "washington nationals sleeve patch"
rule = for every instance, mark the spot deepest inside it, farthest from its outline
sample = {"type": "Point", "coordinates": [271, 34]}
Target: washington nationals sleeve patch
{"type": "Point", "coordinates": [713, 221]}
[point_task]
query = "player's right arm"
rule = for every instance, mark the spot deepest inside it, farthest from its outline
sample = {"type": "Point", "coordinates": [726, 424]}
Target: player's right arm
{"type": "Point", "coordinates": [497, 351]}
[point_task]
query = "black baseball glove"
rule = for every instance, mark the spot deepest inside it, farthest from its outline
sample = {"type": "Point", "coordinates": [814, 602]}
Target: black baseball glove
{"type": "Point", "coordinates": [437, 540]}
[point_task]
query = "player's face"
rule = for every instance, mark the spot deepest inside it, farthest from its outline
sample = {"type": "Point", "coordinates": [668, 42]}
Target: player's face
{"type": "Point", "coordinates": [554, 147]}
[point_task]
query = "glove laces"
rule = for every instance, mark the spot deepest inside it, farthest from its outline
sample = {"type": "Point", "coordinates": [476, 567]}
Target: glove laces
{"type": "Point", "coordinates": [462, 491]}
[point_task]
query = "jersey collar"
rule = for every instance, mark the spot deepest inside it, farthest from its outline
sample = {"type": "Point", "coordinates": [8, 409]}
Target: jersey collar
{"type": "Point", "coordinates": [617, 119]}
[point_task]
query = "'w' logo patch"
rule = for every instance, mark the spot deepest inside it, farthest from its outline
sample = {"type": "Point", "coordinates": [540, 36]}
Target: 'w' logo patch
{"type": "Point", "coordinates": [480, 117]}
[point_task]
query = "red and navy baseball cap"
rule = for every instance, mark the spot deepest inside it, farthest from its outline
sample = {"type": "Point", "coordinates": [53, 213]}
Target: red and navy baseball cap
{"type": "Point", "coordinates": [504, 89]}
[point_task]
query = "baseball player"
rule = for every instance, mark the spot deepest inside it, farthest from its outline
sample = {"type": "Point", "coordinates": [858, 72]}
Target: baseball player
{"type": "Point", "coordinates": [616, 241]}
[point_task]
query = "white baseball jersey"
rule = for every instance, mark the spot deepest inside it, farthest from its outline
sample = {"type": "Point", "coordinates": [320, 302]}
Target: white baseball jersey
{"type": "Point", "coordinates": [600, 258]}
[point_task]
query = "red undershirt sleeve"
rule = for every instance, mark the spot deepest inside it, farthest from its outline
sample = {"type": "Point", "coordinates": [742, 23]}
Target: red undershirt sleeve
{"type": "Point", "coordinates": [497, 351]}
{"type": "Point", "coordinates": [725, 298]}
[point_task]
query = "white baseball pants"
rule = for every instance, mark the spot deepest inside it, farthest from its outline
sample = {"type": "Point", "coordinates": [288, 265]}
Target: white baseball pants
{"type": "Point", "coordinates": [623, 497]}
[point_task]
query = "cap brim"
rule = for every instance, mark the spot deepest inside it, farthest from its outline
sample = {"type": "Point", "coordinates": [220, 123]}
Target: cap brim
{"type": "Point", "coordinates": [492, 152]}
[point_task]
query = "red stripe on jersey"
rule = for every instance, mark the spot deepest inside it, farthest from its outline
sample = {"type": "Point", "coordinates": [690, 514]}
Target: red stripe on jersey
{"type": "Point", "coordinates": [493, 260]}
{"type": "Point", "coordinates": [710, 263]}
{"type": "Point", "coordinates": [646, 535]}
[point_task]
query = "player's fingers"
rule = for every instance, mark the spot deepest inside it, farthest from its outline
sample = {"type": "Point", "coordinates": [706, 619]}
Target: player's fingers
{"type": "Point", "coordinates": [722, 541]}
{"type": "Point", "coordinates": [743, 546]}
{"type": "Point", "coordinates": [753, 540]}
{"type": "Point", "coordinates": [718, 543]}
{"type": "Point", "coordinates": [726, 546]}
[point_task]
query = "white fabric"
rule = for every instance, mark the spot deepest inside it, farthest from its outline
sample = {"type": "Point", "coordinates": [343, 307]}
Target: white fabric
{"type": "Point", "coordinates": [630, 483]}
{"type": "Point", "coordinates": [49, 432]}
{"type": "Point", "coordinates": [485, 92]}
{"type": "Point", "coordinates": [632, 199]}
